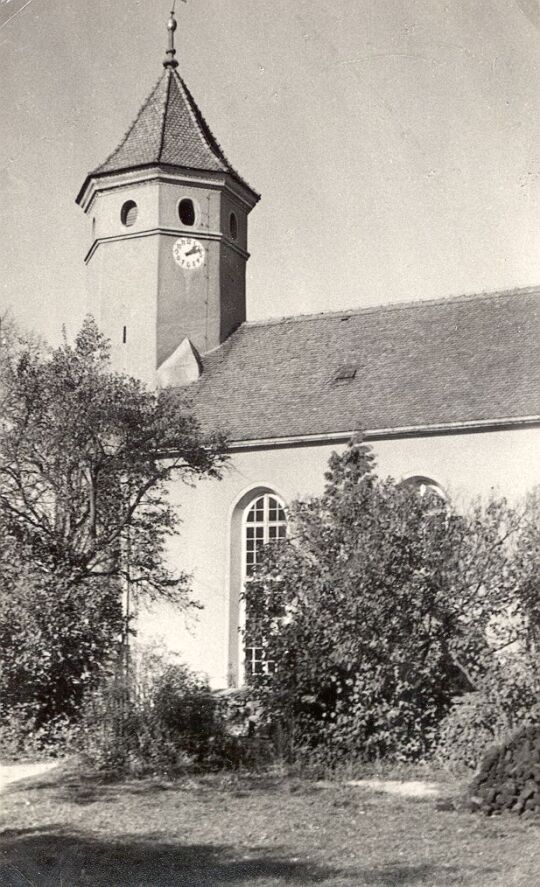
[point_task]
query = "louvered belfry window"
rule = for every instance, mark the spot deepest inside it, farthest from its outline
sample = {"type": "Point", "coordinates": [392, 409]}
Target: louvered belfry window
{"type": "Point", "coordinates": [128, 214]}
{"type": "Point", "coordinates": [265, 521]}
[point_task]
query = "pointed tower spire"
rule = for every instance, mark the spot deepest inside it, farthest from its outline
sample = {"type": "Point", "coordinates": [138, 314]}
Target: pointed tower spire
{"type": "Point", "coordinates": [168, 188]}
{"type": "Point", "coordinates": [172, 24]}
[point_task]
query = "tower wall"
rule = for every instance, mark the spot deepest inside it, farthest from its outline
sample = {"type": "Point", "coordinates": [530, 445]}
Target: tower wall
{"type": "Point", "coordinates": [142, 298]}
{"type": "Point", "coordinates": [233, 265]}
{"type": "Point", "coordinates": [121, 279]}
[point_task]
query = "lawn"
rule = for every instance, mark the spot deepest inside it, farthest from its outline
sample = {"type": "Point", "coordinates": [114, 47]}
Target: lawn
{"type": "Point", "coordinates": [61, 830]}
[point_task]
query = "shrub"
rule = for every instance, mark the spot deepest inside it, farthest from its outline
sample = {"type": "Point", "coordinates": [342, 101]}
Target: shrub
{"type": "Point", "coordinates": [22, 737]}
{"type": "Point", "coordinates": [358, 610]}
{"type": "Point", "coordinates": [54, 641]}
{"type": "Point", "coordinates": [381, 607]}
{"type": "Point", "coordinates": [507, 697]}
{"type": "Point", "coordinates": [509, 778]}
{"type": "Point", "coordinates": [163, 719]}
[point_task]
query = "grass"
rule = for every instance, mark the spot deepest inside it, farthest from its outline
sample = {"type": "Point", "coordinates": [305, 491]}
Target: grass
{"type": "Point", "coordinates": [64, 830]}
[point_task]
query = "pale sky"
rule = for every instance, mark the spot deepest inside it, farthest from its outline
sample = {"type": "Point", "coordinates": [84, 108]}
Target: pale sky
{"type": "Point", "coordinates": [395, 142]}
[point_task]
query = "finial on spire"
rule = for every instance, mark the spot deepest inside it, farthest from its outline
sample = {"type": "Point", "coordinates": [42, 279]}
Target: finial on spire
{"type": "Point", "coordinates": [172, 24]}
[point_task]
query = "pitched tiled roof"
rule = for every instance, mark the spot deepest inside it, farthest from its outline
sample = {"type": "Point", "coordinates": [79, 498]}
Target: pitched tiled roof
{"type": "Point", "coordinates": [467, 359]}
{"type": "Point", "coordinates": [169, 130]}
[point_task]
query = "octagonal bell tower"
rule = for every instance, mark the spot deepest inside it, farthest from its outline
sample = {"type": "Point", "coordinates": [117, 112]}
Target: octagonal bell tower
{"type": "Point", "coordinates": [168, 253]}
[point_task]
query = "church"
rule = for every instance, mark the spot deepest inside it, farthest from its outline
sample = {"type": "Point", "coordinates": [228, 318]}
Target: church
{"type": "Point", "coordinates": [447, 391]}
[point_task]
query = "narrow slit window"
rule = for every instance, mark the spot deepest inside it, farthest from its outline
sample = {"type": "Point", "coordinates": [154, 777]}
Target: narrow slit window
{"type": "Point", "coordinates": [124, 335]}
{"type": "Point", "coordinates": [233, 226]}
{"type": "Point", "coordinates": [345, 373]}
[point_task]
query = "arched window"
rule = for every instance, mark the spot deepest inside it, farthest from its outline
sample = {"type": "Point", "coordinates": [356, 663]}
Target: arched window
{"type": "Point", "coordinates": [233, 226]}
{"type": "Point", "coordinates": [264, 521]}
{"type": "Point", "coordinates": [186, 212]}
{"type": "Point", "coordinates": [128, 213]}
{"type": "Point", "coordinates": [425, 486]}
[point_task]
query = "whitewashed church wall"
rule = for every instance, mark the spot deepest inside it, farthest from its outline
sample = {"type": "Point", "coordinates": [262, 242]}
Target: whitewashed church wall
{"type": "Point", "coordinates": [465, 465]}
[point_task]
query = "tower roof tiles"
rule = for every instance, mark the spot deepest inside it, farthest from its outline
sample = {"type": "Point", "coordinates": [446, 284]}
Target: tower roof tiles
{"type": "Point", "coordinates": [169, 130]}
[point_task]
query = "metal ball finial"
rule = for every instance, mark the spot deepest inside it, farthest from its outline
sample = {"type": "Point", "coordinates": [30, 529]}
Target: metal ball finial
{"type": "Point", "coordinates": [170, 61]}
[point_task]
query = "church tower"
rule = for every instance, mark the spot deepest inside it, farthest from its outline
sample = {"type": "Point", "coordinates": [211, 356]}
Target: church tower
{"type": "Point", "coordinates": [169, 216]}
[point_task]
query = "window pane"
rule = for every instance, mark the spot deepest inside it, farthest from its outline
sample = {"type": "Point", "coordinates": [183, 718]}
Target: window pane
{"type": "Point", "coordinates": [265, 522]}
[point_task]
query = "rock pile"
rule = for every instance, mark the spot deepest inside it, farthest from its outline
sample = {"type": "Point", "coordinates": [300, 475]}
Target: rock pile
{"type": "Point", "coordinates": [509, 777]}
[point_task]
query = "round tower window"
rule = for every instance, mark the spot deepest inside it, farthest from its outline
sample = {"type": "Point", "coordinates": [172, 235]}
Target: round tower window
{"type": "Point", "coordinates": [186, 211]}
{"type": "Point", "coordinates": [128, 213]}
{"type": "Point", "coordinates": [233, 226]}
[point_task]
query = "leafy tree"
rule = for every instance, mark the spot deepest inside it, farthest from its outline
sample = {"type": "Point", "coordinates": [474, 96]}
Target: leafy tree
{"type": "Point", "coordinates": [85, 458]}
{"type": "Point", "coordinates": [381, 606]}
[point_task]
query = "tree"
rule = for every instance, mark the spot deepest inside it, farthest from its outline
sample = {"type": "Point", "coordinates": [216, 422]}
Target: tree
{"type": "Point", "coordinates": [85, 458]}
{"type": "Point", "coordinates": [381, 606]}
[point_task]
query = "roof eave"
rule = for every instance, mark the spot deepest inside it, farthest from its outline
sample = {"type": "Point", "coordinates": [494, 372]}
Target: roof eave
{"type": "Point", "coordinates": [83, 199]}
{"type": "Point", "coordinates": [429, 430]}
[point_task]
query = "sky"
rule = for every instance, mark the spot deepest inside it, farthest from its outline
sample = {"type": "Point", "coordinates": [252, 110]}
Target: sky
{"type": "Point", "coordinates": [394, 142]}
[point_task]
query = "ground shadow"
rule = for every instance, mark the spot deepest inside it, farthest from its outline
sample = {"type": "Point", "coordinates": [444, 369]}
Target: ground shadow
{"type": "Point", "coordinates": [47, 857]}
{"type": "Point", "coordinates": [53, 856]}
{"type": "Point", "coordinates": [88, 788]}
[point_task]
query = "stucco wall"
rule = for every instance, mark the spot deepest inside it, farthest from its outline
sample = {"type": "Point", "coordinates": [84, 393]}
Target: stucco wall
{"type": "Point", "coordinates": [134, 282]}
{"type": "Point", "coordinates": [465, 465]}
{"type": "Point", "coordinates": [122, 279]}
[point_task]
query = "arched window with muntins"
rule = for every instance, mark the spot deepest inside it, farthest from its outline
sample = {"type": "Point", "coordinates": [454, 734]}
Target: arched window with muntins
{"type": "Point", "coordinates": [425, 486]}
{"type": "Point", "coordinates": [264, 521]}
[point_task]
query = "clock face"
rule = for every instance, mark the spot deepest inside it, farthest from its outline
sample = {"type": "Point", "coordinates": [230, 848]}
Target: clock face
{"type": "Point", "coordinates": [188, 253]}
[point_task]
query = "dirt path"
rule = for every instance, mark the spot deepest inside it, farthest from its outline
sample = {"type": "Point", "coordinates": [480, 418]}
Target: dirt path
{"type": "Point", "coordinates": [10, 773]}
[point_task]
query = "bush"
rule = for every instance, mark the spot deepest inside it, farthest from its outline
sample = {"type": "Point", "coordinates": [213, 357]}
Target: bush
{"type": "Point", "coordinates": [54, 641]}
{"type": "Point", "coordinates": [383, 605]}
{"type": "Point", "coordinates": [358, 610]}
{"type": "Point", "coordinates": [21, 736]}
{"type": "Point", "coordinates": [509, 778]}
{"type": "Point", "coordinates": [507, 698]}
{"type": "Point", "coordinates": [164, 719]}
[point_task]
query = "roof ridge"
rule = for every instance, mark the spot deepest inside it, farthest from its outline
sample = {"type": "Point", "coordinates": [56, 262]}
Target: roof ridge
{"type": "Point", "coordinates": [164, 115]}
{"type": "Point", "coordinates": [130, 128]}
{"type": "Point", "coordinates": [390, 306]}
{"type": "Point", "coordinates": [205, 133]}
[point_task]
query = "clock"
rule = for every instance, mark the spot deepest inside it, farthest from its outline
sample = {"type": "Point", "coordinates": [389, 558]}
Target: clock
{"type": "Point", "coordinates": [188, 252]}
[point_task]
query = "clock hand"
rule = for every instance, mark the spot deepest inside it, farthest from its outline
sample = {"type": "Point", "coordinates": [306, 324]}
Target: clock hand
{"type": "Point", "coordinates": [194, 249]}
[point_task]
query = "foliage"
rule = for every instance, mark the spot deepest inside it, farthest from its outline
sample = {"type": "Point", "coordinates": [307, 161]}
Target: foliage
{"type": "Point", "coordinates": [85, 458]}
{"type": "Point", "coordinates": [380, 608]}
{"type": "Point", "coordinates": [509, 777]}
{"type": "Point", "coordinates": [508, 697]}
{"type": "Point", "coordinates": [54, 640]}
{"type": "Point", "coordinates": [160, 718]}
{"type": "Point", "coordinates": [22, 738]}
